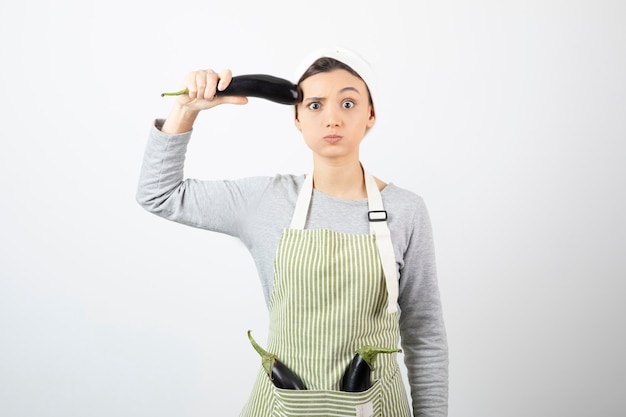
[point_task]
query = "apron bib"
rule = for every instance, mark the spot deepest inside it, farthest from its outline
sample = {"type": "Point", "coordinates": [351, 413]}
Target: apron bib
{"type": "Point", "coordinates": [329, 298]}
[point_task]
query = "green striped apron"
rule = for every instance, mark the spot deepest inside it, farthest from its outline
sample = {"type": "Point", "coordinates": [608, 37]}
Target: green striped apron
{"type": "Point", "coordinates": [329, 298]}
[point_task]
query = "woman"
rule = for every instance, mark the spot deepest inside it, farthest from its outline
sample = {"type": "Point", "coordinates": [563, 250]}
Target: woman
{"type": "Point", "coordinates": [345, 260]}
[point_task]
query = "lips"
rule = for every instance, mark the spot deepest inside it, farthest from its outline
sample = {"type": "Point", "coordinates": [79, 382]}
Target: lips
{"type": "Point", "coordinates": [332, 138]}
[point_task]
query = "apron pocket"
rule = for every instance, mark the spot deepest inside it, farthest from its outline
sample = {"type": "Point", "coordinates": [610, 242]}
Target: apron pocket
{"type": "Point", "coordinates": [327, 403]}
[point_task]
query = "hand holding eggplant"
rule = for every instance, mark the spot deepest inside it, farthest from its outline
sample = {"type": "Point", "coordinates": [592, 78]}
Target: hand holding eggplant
{"type": "Point", "coordinates": [279, 373]}
{"type": "Point", "coordinates": [199, 93]}
{"type": "Point", "coordinates": [201, 89]}
{"type": "Point", "coordinates": [264, 86]}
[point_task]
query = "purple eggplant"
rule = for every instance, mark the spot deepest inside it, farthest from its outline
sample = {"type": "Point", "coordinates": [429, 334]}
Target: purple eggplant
{"type": "Point", "coordinates": [268, 87]}
{"type": "Point", "coordinates": [358, 375]}
{"type": "Point", "coordinates": [279, 373]}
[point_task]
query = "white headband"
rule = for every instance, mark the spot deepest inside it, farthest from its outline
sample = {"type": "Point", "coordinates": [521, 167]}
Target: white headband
{"type": "Point", "coordinates": [348, 57]}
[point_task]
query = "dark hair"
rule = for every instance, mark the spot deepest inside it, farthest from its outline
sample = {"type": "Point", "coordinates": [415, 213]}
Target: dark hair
{"type": "Point", "coordinates": [326, 64]}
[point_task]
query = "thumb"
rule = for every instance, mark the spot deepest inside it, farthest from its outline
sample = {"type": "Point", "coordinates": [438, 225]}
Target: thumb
{"type": "Point", "coordinates": [231, 99]}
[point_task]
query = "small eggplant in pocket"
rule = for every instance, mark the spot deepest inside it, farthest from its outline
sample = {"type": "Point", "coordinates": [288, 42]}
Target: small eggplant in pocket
{"type": "Point", "coordinates": [358, 375]}
{"type": "Point", "coordinates": [279, 373]}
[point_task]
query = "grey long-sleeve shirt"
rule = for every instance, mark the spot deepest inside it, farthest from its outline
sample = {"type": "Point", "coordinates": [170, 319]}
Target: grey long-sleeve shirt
{"type": "Point", "coordinates": [257, 209]}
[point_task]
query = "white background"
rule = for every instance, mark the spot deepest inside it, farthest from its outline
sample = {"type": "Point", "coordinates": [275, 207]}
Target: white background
{"type": "Point", "coordinates": [508, 117]}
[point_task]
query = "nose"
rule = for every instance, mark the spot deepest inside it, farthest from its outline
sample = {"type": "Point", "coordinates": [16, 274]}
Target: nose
{"type": "Point", "coordinates": [332, 117]}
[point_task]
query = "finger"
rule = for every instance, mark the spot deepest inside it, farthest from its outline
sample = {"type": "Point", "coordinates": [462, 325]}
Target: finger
{"type": "Point", "coordinates": [233, 100]}
{"type": "Point", "coordinates": [195, 83]}
{"type": "Point", "coordinates": [206, 82]}
{"type": "Point", "coordinates": [225, 77]}
{"type": "Point", "coordinates": [238, 100]}
{"type": "Point", "coordinates": [190, 84]}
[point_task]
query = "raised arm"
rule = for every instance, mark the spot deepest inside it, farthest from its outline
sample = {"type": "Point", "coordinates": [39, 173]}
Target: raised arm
{"type": "Point", "coordinates": [162, 189]}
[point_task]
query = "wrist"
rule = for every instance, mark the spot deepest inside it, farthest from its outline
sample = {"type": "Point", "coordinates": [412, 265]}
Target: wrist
{"type": "Point", "coordinates": [180, 119]}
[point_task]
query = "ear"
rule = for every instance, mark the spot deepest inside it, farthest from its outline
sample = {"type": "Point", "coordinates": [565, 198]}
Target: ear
{"type": "Point", "coordinates": [372, 119]}
{"type": "Point", "coordinates": [296, 119]}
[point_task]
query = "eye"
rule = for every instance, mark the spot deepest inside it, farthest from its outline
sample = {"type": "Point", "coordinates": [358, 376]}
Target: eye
{"type": "Point", "coordinates": [314, 105]}
{"type": "Point", "coordinates": [348, 104]}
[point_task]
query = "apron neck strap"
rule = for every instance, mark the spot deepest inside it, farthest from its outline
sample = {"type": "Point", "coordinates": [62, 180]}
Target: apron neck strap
{"type": "Point", "coordinates": [302, 203]}
{"type": "Point", "coordinates": [377, 217]}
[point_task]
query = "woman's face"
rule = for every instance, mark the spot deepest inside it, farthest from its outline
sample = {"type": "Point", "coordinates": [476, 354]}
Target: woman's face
{"type": "Point", "coordinates": [334, 114]}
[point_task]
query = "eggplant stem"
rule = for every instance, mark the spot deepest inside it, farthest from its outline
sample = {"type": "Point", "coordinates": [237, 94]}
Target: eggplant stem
{"type": "Point", "coordinates": [369, 352]}
{"type": "Point", "coordinates": [267, 359]}
{"type": "Point", "coordinates": [175, 93]}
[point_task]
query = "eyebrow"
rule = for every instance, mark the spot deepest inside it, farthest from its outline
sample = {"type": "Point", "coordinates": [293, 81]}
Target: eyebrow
{"type": "Point", "coordinates": [343, 90]}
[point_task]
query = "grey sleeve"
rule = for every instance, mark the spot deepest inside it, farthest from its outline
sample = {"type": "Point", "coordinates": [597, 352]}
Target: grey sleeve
{"type": "Point", "coordinates": [424, 340]}
{"type": "Point", "coordinates": [218, 205]}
